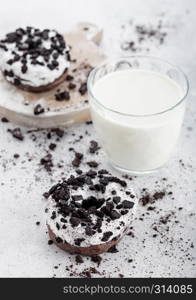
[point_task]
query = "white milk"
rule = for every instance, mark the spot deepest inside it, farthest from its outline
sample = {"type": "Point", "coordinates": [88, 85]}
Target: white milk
{"type": "Point", "coordinates": [137, 141]}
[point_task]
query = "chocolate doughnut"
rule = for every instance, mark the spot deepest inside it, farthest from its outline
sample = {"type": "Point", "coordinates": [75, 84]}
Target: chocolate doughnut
{"type": "Point", "coordinates": [89, 213]}
{"type": "Point", "coordinates": [34, 60]}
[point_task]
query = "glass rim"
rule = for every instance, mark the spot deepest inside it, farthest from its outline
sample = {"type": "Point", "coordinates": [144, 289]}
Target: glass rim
{"type": "Point", "coordinates": [93, 72]}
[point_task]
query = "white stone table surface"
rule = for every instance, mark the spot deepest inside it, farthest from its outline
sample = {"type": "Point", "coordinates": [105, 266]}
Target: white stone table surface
{"type": "Point", "coordinates": [24, 249]}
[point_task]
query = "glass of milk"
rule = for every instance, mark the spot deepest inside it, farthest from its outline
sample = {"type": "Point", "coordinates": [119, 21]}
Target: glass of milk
{"type": "Point", "coordinates": [137, 106]}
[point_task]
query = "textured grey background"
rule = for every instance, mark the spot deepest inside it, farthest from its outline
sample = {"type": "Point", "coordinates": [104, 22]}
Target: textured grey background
{"type": "Point", "coordinates": [23, 245]}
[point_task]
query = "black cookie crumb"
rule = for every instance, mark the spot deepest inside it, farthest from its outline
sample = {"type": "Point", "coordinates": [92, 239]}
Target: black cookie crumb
{"type": "Point", "coordinates": [38, 109]}
{"type": "Point", "coordinates": [71, 86]}
{"type": "Point", "coordinates": [59, 132]}
{"type": "Point", "coordinates": [4, 120]}
{"type": "Point", "coordinates": [83, 89]}
{"type": "Point", "coordinates": [94, 147]}
{"type": "Point", "coordinates": [113, 249]}
{"type": "Point", "coordinates": [79, 259]}
{"type": "Point", "coordinates": [96, 259]}
{"type": "Point", "coordinates": [77, 160]}
{"type": "Point", "coordinates": [47, 162]}
{"type": "Point", "coordinates": [89, 122]}
{"type": "Point", "coordinates": [106, 236]}
{"type": "Point", "coordinates": [59, 240]}
{"type": "Point", "coordinates": [69, 78]}
{"type": "Point", "coordinates": [62, 96]}
{"type": "Point", "coordinates": [78, 241]}
{"type": "Point", "coordinates": [17, 133]}
{"type": "Point", "coordinates": [92, 164]}
{"type": "Point", "coordinates": [52, 146]}
{"type": "Point", "coordinates": [148, 198]}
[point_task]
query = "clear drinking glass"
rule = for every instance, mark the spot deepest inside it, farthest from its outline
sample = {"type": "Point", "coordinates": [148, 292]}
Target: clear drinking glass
{"type": "Point", "coordinates": [137, 143]}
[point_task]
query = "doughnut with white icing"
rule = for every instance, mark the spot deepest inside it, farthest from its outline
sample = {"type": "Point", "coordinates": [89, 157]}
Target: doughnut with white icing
{"type": "Point", "coordinates": [89, 213]}
{"type": "Point", "coordinates": [34, 60]}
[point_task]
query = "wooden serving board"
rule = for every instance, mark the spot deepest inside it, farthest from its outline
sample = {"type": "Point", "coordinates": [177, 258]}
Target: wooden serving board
{"type": "Point", "coordinates": [18, 106]}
